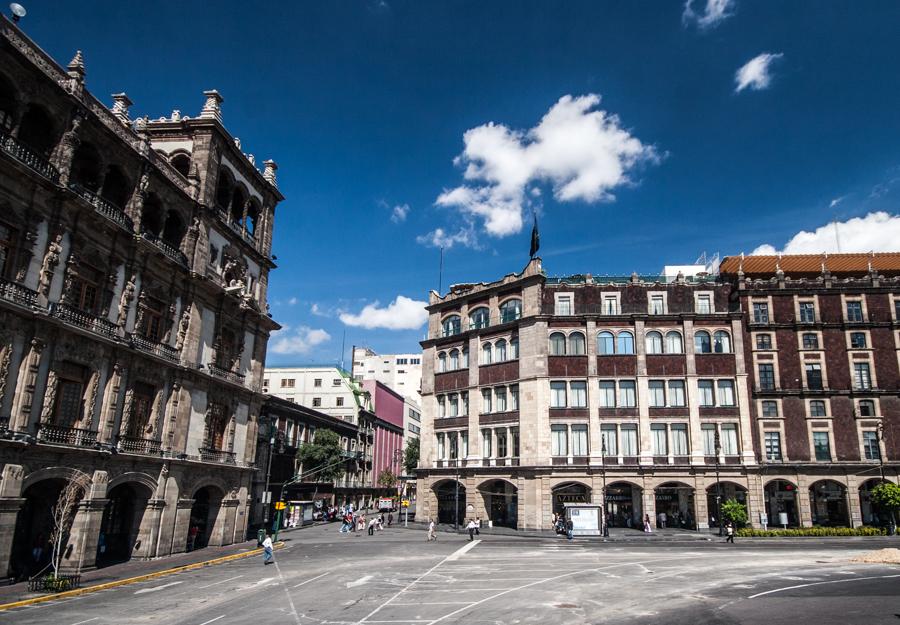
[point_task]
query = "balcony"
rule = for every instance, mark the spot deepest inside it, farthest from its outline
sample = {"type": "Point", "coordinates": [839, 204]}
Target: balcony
{"type": "Point", "coordinates": [18, 294]}
{"type": "Point", "coordinates": [141, 446]}
{"type": "Point", "coordinates": [58, 435]}
{"type": "Point", "coordinates": [157, 349]}
{"type": "Point", "coordinates": [97, 325]}
{"type": "Point", "coordinates": [225, 374]}
{"type": "Point", "coordinates": [217, 455]}
{"type": "Point", "coordinates": [104, 207]}
{"type": "Point", "coordinates": [29, 158]}
{"type": "Point", "coordinates": [240, 232]}
{"type": "Point", "coordinates": [166, 248]}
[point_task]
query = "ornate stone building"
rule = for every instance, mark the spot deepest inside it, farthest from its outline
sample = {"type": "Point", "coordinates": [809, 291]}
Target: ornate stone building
{"type": "Point", "coordinates": [134, 260]}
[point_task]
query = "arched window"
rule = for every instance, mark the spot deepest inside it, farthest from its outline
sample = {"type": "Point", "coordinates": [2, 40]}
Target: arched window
{"type": "Point", "coordinates": [252, 217]}
{"type": "Point", "coordinates": [116, 187]}
{"type": "Point", "coordinates": [486, 353]}
{"type": "Point", "coordinates": [182, 163]}
{"type": "Point", "coordinates": [451, 325]}
{"type": "Point", "coordinates": [152, 218]}
{"type": "Point", "coordinates": [223, 189]}
{"type": "Point", "coordinates": [86, 169]}
{"type": "Point", "coordinates": [442, 362]}
{"type": "Point", "coordinates": [465, 358]}
{"type": "Point", "coordinates": [513, 349]}
{"type": "Point", "coordinates": [479, 318]}
{"type": "Point", "coordinates": [37, 130]}
{"type": "Point", "coordinates": [576, 344]}
{"type": "Point", "coordinates": [174, 229]}
{"type": "Point", "coordinates": [500, 351]}
{"type": "Point", "coordinates": [722, 342]}
{"type": "Point", "coordinates": [625, 343]}
{"type": "Point", "coordinates": [606, 344]}
{"type": "Point", "coordinates": [7, 105]}
{"type": "Point", "coordinates": [557, 344]}
{"type": "Point", "coordinates": [653, 342]}
{"type": "Point", "coordinates": [454, 359]}
{"type": "Point", "coordinates": [238, 199]}
{"type": "Point", "coordinates": [510, 310]}
{"type": "Point", "coordinates": [702, 343]}
{"type": "Point", "coordinates": [674, 344]}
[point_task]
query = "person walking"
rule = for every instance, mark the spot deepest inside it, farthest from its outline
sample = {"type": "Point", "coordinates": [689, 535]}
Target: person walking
{"type": "Point", "coordinates": [729, 530]}
{"type": "Point", "coordinates": [267, 550]}
{"type": "Point", "coordinates": [432, 535]}
{"type": "Point", "coordinates": [647, 528]}
{"type": "Point", "coordinates": [570, 529]}
{"type": "Point", "coordinates": [471, 526]}
{"type": "Point", "coordinates": [372, 525]}
{"type": "Point", "coordinates": [477, 526]}
{"type": "Point", "coordinates": [390, 518]}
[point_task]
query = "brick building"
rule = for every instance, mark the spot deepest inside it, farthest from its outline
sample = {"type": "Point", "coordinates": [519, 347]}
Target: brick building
{"type": "Point", "coordinates": [134, 260]}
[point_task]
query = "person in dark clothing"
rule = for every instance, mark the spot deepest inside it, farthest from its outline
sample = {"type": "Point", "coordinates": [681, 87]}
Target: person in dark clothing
{"type": "Point", "coordinates": [570, 528]}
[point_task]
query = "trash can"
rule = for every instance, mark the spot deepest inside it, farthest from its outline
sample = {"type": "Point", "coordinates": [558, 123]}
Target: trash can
{"type": "Point", "coordinates": [260, 537]}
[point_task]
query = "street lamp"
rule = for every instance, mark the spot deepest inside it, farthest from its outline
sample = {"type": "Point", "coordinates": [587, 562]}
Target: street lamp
{"type": "Point", "coordinates": [718, 449]}
{"type": "Point", "coordinates": [879, 436]}
{"type": "Point", "coordinates": [604, 521]}
{"type": "Point", "coordinates": [267, 496]}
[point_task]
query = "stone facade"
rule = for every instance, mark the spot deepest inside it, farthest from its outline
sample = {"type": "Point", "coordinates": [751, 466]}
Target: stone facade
{"type": "Point", "coordinates": [134, 260]}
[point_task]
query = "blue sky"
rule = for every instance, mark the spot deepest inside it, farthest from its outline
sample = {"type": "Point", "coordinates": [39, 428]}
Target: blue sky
{"type": "Point", "coordinates": [656, 145]}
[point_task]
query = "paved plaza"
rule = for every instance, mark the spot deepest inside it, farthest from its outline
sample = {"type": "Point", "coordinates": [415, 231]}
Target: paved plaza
{"type": "Point", "coordinates": [323, 577]}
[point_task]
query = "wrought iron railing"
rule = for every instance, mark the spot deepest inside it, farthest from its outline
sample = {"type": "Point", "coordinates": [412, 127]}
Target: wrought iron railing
{"type": "Point", "coordinates": [159, 349]}
{"type": "Point", "coordinates": [104, 207]}
{"type": "Point", "coordinates": [28, 157]}
{"type": "Point", "coordinates": [17, 293]}
{"type": "Point", "coordinates": [136, 445]}
{"type": "Point", "coordinates": [59, 435]}
{"type": "Point", "coordinates": [166, 248]}
{"type": "Point", "coordinates": [217, 455]}
{"type": "Point", "coordinates": [225, 374]}
{"type": "Point", "coordinates": [97, 325]}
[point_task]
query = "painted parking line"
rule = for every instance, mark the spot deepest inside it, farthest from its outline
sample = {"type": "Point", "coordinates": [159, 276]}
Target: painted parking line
{"type": "Point", "coordinates": [212, 620]}
{"type": "Point", "coordinates": [834, 581]}
{"type": "Point", "coordinates": [155, 588]}
{"type": "Point", "coordinates": [221, 581]}
{"type": "Point", "coordinates": [310, 580]}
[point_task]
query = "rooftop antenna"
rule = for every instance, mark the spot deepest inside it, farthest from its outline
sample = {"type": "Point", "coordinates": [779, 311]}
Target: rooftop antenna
{"type": "Point", "coordinates": [343, 343]}
{"type": "Point", "coordinates": [18, 12]}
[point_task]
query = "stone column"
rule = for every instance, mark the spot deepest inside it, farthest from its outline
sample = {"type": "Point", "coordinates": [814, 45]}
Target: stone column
{"type": "Point", "coordinates": [147, 528]}
{"type": "Point", "coordinates": [228, 514]}
{"type": "Point", "coordinates": [24, 398]}
{"type": "Point", "coordinates": [11, 502]}
{"type": "Point", "coordinates": [84, 536]}
{"type": "Point", "coordinates": [181, 527]}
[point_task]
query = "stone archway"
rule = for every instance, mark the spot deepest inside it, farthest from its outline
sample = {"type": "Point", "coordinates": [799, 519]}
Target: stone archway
{"type": "Point", "coordinates": [501, 502]}
{"type": "Point", "coordinates": [624, 505]}
{"type": "Point", "coordinates": [675, 506]}
{"type": "Point", "coordinates": [727, 490]}
{"type": "Point", "coordinates": [782, 505]}
{"type": "Point", "coordinates": [123, 516]}
{"type": "Point", "coordinates": [206, 521]}
{"type": "Point", "coordinates": [828, 504]}
{"type": "Point", "coordinates": [872, 514]}
{"type": "Point", "coordinates": [451, 501]}
{"type": "Point", "coordinates": [569, 492]}
{"type": "Point", "coordinates": [31, 550]}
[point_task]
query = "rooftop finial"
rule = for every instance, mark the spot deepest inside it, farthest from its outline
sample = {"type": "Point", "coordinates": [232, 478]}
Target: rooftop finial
{"type": "Point", "coordinates": [212, 109]}
{"type": "Point", "coordinates": [76, 64]}
{"type": "Point", "coordinates": [269, 172]}
{"type": "Point", "coordinates": [121, 103]}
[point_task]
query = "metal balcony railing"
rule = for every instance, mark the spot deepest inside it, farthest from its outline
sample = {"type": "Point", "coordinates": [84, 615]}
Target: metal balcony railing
{"type": "Point", "coordinates": [136, 445]}
{"type": "Point", "coordinates": [159, 349]}
{"type": "Point", "coordinates": [217, 455]}
{"type": "Point", "coordinates": [225, 374]}
{"type": "Point", "coordinates": [28, 157]}
{"type": "Point", "coordinates": [17, 294]}
{"type": "Point", "coordinates": [166, 248]}
{"type": "Point", "coordinates": [104, 207]}
{"type": "Point", "coordinates": [97, 325]}
{"type": "Point", "coordinates": [59, 435]}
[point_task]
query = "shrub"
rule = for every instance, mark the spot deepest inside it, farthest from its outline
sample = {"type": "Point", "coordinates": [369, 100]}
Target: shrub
{"type": "Point", "coordinates": [812, 531]}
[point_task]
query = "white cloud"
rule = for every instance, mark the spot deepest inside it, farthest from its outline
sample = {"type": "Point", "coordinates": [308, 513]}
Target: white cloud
{"type": "Point", "coordinates": [399, 213]}
{"type": "Point", "coordinates": [582, 151]}
{"type": "Point", "coordinates": [836, 201]}
{"type": "Point", "coordinates": [298, 341]}
{"type": "Point", "coordinates": [292, 301]}
{"type": "Point", "coordinates": [714, 12]}
{"type": "Point", "coordinates": [401, 314]}
{"type": "Point", "coordinates": [441, 238]}
{"type": "Point", "coordinates": [876, 232]}
{"type": "Point", "coordinates": [316, 310]}
{"type": "Point", "coordinates": [755, 72]}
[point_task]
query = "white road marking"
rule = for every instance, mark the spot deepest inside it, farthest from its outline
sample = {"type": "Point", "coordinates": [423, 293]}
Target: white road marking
{"type": "Point", "coordinates": [87, 621]}
{"type": "Point", "coordinates": [459, 552]}
{"type": "Point", "coordinates": [155, 588]}
{"type": "Point", "coordinates": [834, 581]}
{"type": "Point", "coordinates": [222, 581]}
{"type": "Point", "coordinates": [359, 582]}
{"type": "Point", "coordinates": [212, 620]}
{"type": "Point", "coordinates": [311, 580]}
{"type": "Point", "coordinates": [294, 612]}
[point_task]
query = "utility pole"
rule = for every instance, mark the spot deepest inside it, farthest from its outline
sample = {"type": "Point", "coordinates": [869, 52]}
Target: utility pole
{"type": "Point", "coordinates": [456, 503]}
{"type": "Point", "coordinates": [267, 496]}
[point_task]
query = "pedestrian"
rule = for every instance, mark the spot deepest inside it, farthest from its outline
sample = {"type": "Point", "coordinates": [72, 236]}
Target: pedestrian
{"type": "Point", "coordinates": [647, 527]}
{"type": "Point", "coordinates": [267, 550]}
{"type": "Point", "coordinates": [432, 535]}
{"type": "Point", "coordinates": [661, 520]}
{"type": "Point", "coordinates": [472, 526]}
{"type": "Point", "coordinates": [372, 525]}
{"type": "Point", "coordinates": [729, 529]}
{"type": "Point", "coordinates": [477, 526]}
{"type": "Point", "coordinates": [570, 529]}
{"type": "Point", "coordinates": [390, 518]}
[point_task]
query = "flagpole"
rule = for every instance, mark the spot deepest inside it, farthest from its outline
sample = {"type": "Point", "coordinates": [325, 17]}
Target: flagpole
{"type": "Point", "coordinates": [441, 272]}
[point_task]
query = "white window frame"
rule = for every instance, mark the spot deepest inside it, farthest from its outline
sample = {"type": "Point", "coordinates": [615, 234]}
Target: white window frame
{"type": "Point", "coordinates": [559, 298]}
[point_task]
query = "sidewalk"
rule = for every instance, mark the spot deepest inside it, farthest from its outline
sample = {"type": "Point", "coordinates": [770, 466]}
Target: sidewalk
{"type": "Point", "coordinates": [616, 534]}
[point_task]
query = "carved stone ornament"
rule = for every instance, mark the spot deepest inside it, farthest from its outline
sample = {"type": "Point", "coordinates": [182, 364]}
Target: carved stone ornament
{"type": "Point", "coordinates": [125, 300]}
{"type": "Point", "coordinates": [183, 326]}
{"type": "Point", "coordinates": [51, 260]}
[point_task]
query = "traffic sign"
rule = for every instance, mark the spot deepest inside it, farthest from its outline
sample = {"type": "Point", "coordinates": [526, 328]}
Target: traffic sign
{"type": "Point", "coordinates": [280, 505]}
{"type": "Point", "coordinates": [405, 503]}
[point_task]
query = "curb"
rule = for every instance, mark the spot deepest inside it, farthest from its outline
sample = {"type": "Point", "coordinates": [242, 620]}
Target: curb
{"type": "Point", "coordinates": [132, 580]}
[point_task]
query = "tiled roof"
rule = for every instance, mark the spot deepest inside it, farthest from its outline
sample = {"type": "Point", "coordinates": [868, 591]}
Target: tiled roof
{"type": "Point", "coordinates": [795, 265]}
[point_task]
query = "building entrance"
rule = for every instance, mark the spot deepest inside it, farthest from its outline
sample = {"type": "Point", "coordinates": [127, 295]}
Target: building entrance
{"type": "Point", "coordinates": [623, 505]}
{"type": "Point", "coordinates": [451, 503]}
{"type": "Point", "coordinates": [675, 506]}
{"type": "Point", "coordinates": [781, 504]}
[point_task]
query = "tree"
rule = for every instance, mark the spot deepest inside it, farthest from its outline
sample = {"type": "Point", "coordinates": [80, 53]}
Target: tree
{"type": "Point", "coordinates": [411, 459]}
{"type": "Point", "coordinates": [887, 496]}
{"type": "Point", "coordinates": [734, 511]}
{"type": "Point", "coordinates": [63, 515]}
{"type": "Point", "coordinates": [387, 479]}
{"type": "Point", "coordinates": [323, 458]}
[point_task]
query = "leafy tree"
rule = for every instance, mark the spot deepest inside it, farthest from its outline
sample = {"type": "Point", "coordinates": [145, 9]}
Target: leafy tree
{"type": "Point", "coordinates": [387, 479]}
{"type": "Point", "coordinates": [322, 458]}
{"type": "Point", "coordinates": [734, 511]}
{"type": "Point", "coordinates": [411, 459]}
{"type": "Point", "coordinates": [887, 496]}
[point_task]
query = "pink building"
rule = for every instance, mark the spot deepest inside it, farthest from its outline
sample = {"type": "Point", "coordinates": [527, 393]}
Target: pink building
{"type": "Point", "coordinates": [387, 420]}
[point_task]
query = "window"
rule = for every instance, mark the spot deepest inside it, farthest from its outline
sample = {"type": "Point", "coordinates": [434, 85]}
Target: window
{"type": "Point", "coordinates": [441, 447]}
{"type": "Point", "coordinates": [767, 377]}
{"type": "Point", "coordinates": [336, 382]}
{"type": "Point", "coordinates": [442, 406]}
{"type": "Point", "coordinates": [657, 394]}
{"type": "Point", "coordinates": [513, 349]}
{"type": "Point", "coordinates": [702, 342]}
{"type": "Point", "coordinates": [676, 393]}
{"type": "Point", "coordinates": [708, 430]}
{"type": "Point", "coordinates": [897, 309]}
{"type": "Point", "coordinates": [722, 342]}
{"type": "Point", "coordinates": [479, 318]}
{"type": "Point", "coordinates": [608, 441]}
{"type": "Point", "coordinates": [578, 391]}
{"type": "Point", "coordinates": [866, 408]}
{"type": "Point", "coordinates": [673, 343]}
{"type": "Point", "coordinates": [817, 408]}
{"type": "Point", "coordinates": [760, 312]}
{"type": "Point", "coordinates": [486, 404]}
{"type": "Point", "coordinates": [729, 439]}
{"type": "Point", "coordinates": [813, 376]}
{"type": "Point", "coordinates": [770, 408]}
{"type": "Point", "coordinates": [707, 398]}
{"type": "Point", "coordinates": [576, 344]}
{"type": "Point", "coordinates": [773, 445]}
{"type": "Point", "coordinates": [579, 440]}
{"type": "Point", "coordinates": [486, 352]}
{"type": "Point", "coordinates": [486, 440]}
{"type": "Point", "coordinates": [557, 344]}
{"type": "Point", "coordinates": [454, 405]}
{"type": "Point", "coordinates": [625, 343]}
{"type": "Point", "coordinates": [510, 310]}
{"type": "Point", "coordinates": [513, 397]}
{"type": "Point", "coordinates": [453, 440]}
{"type": "Point", "coordinates": [607, 394]}
{"type": "Point", "coordinates": [862, 379]}
{"type": "Point", "coordinates": [627, 395]}
{"type": "Point", "coordinates": [605, 344]}
{"type": "Point", "coordinates": [629, 440]}
{"type": "Point", "coordinates": [501, 444]}
{"type": "Point", "coordinates": [726, 392]}
{"type": "Point", "coordinates": [810, 340]}
{"type": "Point", "coordinates": [807, 312]}
{"type": "Point", "coordinates": [659, 439]}
{"type": "Point", "coordinates": [563, 305]}
{"type": "Point", "coordinates": [454, 360]}
{"type": "Point", "coordinates": [870, 445]}
{"type": "Point", "coordinates": [442, 363]}
{"type": "Point", "coordinates": [854, 311]}
{"type": "Point", "coordinates": [704, 304]}
{"type": "Point", "coordinates": [654, 343]}
{"type": "Point", "coordinates": [558, 395]}
{"type": "Point", "coordinates": [858, 340]}
{"type": "Point", "coordinates": [610, 305]}
{"type": "Point", "coordinates": [763, 341]}
{"type": "Point", "coordinates": [500, 399]}
{"type": "Point", "coordinates": [339, 401]}
{"type": "Point", "coordinates": [558, 442]}
{"type": "Point", "coordinates": [287, 382]}
{"type": "Point", "coordinates": [679, 439]}
{"type": "Point", "coordinates": [500, 351]}
{"type": "Point", "coordinates": [317, 402]}
{"type": "Point", "coordinates": [657, 305]}
{"type": "Point", "coordinates": [465, 403]}
{"type": "Point", "coordinates": [451, 325]}
{"type": "Point", "coordinates": [402, 361]}
{"type": "Point", "coordinates": [415, 361]}
{"type": "Point", "coordinates": [822, 446]}
{"type": "Point", "coordinates": [84, 294]}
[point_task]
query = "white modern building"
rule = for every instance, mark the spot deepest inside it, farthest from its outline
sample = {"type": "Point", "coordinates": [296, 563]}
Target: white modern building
{"type": "Point", "coordinates": [327, 389]}
{"type": "Point", "coordinates": [401, 372]}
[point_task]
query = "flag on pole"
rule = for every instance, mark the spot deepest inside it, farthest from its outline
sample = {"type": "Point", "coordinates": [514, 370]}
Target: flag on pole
{"type": "Point", "coordinates": [535, 238]}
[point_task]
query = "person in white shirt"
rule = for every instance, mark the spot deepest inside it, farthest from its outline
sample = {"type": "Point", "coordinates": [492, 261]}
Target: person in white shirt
{"type": "Point", "coordinates": [472, 526]}
{"type": "Point", "coordinates": [432, 535]}
{"type": "Point", "coordinates": [267, 550]}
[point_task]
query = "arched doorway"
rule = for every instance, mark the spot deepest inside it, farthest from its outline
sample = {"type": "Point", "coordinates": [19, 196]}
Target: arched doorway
{"type": "Point", "coordinates": [121, 521]}
{"type": "Point", "coordinates": [34, 524]}
{"type": "Point", "coordinates": [569, 492]}
{"type": "Point", "coordinates": [451, 498]}
{"type": "Point", "coordinates": [675, 506]}
{"type": "Point", "coordinates": [623, 505]}
{"type": "Point", "coordinates": [781, 503]}
{"type": "Point", "coordinates": [727, 490]}
{"type": "Point", "coordinates": [872, 513]}
{"type": "Point", "coordinates": [501, 500]}
{"type": "Point", "coordinates": [828, 504]}
{"type": "Point", "coordinates": [204, 513]}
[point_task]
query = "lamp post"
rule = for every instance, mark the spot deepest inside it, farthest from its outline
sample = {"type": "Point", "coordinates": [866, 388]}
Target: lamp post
{"type": "Point", "coordinates": [267, 497]}
{"type": "Point", "coordinates": [456, 502]}
{"type": "Point", "coordinates": [604, 521]}
{"type": "Point", "coordinates": [718, 449]}
{"type": "Point", "coordinates": [879, 436]}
